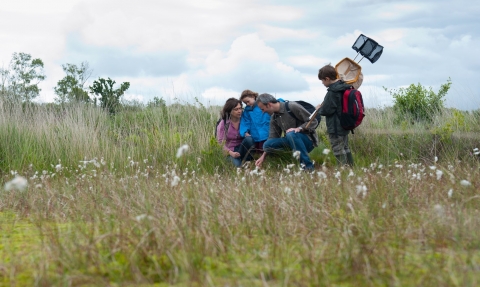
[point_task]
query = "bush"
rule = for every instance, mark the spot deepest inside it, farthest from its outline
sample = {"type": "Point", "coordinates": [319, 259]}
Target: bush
{"type": "Point", "coordinates": [418, 102]}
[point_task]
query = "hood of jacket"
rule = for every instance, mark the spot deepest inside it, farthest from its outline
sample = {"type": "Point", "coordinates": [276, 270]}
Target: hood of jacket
{"type": "Point", "coordinates": [338, 86]}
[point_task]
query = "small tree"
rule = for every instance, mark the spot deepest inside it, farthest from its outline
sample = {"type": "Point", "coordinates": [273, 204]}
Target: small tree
{"type": "Point", "coordinates": [20, 81]}
{"type": "Point", "coordinates": [109, 98]}
{"type": "Point", "coordinates": [419, 102]}
{"type": "Point", "coordinates": [71, 87]}
{"type": "Point", "coordinates": [156, 102]}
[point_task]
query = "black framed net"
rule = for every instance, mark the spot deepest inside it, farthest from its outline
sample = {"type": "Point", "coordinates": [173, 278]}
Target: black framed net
{"type": "Point", "coordinates": [368, 48]}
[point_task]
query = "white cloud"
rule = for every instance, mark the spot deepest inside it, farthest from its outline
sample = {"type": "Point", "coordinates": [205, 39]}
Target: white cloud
{"type": "Point", "coordinates": [182, 24]}
{"type": "Point", "coordinates": [463, 42]}
{"type": "Point", "coordinates": [269, 32]}
{"type": "Point", "coordinates": [133, 97]}
{"type": "Point", "coordinates": [38, 7]}
{"type": "Point", "coordinates": [401, 10]}
{"type": "Point", "coordinates": [219, 95]}
{"type": "Point", "coordinates": [307, 61]}
{"type": "Point", "coordinates": [250, 64]}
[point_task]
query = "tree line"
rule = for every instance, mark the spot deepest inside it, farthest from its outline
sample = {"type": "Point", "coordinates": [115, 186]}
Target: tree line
{"type": "Point", "coordinates": [19, 83]}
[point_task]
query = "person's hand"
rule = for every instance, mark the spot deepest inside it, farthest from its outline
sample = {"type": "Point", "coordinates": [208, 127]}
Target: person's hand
{"type": "Point", "coordinates": [260, 160]}
{"type": "Point", "coordinates": [247, 135]}
{"type": "Point", "coordinates": [318, 106]}
{"type": "Point", "coordinates": [234, 154]}
{"type": "Point", "coordinates": [296, 130]}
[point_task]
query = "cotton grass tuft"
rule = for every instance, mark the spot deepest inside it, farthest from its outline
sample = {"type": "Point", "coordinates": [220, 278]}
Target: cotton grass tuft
{"type": "Point", "coordinates": [182, 150]}
{"type": "Point", "coordinates": [296, 154]}
{"type": "Point", "coordinates": [175, 181]}
{"type": "Point", "coordinates": [465, 182]}
{"type": "Point", "coordinates": [17, 183]}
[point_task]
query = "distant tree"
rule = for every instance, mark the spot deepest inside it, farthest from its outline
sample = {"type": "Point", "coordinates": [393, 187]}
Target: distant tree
{"type": "Point", "coordinates": [109, 98]}
{"type": "Point", "coordinates": [20, 81]}
{"type": "Point", "coordinates": [71, 87]}
{"type": "Point", "coordinates": [157, 102]}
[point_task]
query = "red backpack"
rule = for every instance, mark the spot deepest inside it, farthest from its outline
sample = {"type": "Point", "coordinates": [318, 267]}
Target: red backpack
{"type": "Point", "coordinates": [352, 109]}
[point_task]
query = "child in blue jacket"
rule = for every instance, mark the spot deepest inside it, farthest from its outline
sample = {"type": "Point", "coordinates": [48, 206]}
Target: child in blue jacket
{"type": "Point", "coordinates": [254, 122]}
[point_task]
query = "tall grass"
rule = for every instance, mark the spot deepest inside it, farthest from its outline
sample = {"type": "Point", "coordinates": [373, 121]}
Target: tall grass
{"type": "Point", "coordinates": [139, 216]}
{"type": "Point", "coordinates": [46, 135]}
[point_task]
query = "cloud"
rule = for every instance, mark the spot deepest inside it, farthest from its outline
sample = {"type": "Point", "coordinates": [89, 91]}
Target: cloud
{"type": "Point", "coordinates": [269, 33]}
{"type": "Point", "coordinates": [250, 64]}
{"type": "Point", "coordinates": [219, 95]}
{"type": "Point", "coordinates": [133, 97]}
{"type": "Point", "coordinates": [170, 25]}
{"type": "Point", "coordinates": [308, 61]}
{"type": "Point", "coordinates": [114, 61]}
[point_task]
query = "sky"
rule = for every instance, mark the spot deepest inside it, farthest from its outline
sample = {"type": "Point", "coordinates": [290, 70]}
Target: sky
{"type": "Point", "coordinates": [206, 51]}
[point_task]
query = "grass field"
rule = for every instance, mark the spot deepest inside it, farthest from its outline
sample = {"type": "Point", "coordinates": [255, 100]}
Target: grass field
{"type": "Point", "coordinates": [108, 203]}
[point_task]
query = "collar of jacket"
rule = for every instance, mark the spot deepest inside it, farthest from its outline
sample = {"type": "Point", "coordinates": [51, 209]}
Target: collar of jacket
{"type": "Point", "coordinates": [282, 109]}
{"type": "Point", "coordinates": [249, 109]}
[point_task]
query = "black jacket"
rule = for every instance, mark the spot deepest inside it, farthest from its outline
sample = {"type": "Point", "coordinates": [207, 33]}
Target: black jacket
{"type": "Point", "coordinates": [332, 107]}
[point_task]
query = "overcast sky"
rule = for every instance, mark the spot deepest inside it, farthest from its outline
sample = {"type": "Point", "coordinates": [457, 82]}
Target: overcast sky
{"type": "Point", "coordinates": [210, 50]}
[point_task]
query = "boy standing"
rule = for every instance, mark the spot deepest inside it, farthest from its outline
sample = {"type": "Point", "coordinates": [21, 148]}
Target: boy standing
{"type": "Point", "coordinates": [331, 108]}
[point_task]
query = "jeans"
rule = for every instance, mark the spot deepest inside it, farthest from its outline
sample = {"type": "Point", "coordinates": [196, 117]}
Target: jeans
{"type": "Point", "coordinates": [296, 142]}
{"type": "Point", "coordinates": [245, 149]}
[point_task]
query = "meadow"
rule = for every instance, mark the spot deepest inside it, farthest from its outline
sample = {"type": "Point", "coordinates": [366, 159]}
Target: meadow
{"type": "Point", "coordinates": [91, 199]}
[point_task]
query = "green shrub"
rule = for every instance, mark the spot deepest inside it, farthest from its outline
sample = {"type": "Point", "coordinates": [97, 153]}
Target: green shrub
{"type": "Point", "coordinates": [417, 102]}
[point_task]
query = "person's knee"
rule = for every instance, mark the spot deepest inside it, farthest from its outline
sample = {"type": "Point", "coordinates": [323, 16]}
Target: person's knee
{"type": "Point", "coordinates": [337, 148]}
{"type": "Point", "coordinates": [267, 144]}
{"type": "Point", "coordinates": [236, 161]}
{"type": "Point", "coordinates": [291, 135]}
{"type": "Point", "coordinates": [249, 141]}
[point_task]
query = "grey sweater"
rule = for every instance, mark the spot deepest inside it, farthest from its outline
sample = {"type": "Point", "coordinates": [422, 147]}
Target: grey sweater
{"type": "Point", "coordinates": [282, 121]}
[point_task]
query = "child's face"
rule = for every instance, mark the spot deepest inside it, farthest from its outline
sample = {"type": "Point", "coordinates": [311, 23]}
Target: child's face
{"type": "Point", "coordinates": [249, 101]}
{"type": "Point", "coordinates": [327, 81]}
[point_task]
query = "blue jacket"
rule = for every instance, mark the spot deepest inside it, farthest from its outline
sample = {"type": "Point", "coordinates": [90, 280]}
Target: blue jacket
{"type": "Point", "coordinates": [255, 122]}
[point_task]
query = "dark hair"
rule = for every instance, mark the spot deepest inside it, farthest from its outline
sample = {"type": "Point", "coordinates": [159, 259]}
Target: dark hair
{"type": "Point", "coordinates": [230, 104]}
{"type": "Point", "coordinates": [248, 93]}
{"type": "Point", "coordinates": [327, 71]}
{"type": "Point", "coordinates": [266, 98]}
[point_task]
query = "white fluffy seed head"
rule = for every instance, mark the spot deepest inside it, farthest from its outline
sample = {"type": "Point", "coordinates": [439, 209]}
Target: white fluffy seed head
{"type": "Point", "coordinates": [465, 182]}
{"type": "Point", "coordinates": [296, 154]}
{"type": "Point", "coordinates": [181, 150]}
{"type": "Point", "coordinates": [17, 183]}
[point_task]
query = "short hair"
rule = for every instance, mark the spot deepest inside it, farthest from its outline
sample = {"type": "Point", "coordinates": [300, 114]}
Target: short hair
{"type": "Point", "coordinates": [248, 93]}
{"type": "Point", "coordinates": [230, 104]}
{"type": "Point", "coordinates": [327, 71]}
{"type": "Point", "coordinates": [266, 98]}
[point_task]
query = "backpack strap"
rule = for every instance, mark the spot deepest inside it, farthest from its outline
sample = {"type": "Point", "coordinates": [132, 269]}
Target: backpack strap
{"type": "Point", "coordinates": [290, 112]}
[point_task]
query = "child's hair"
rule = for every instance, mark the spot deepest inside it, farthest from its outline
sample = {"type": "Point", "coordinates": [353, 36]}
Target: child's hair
{"type": "Point", "coordinates": [327, 71]}
{"type": "Point", "coordinates": [230, 104]}
{"type": "Point", "coordinates": [248, 93]}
